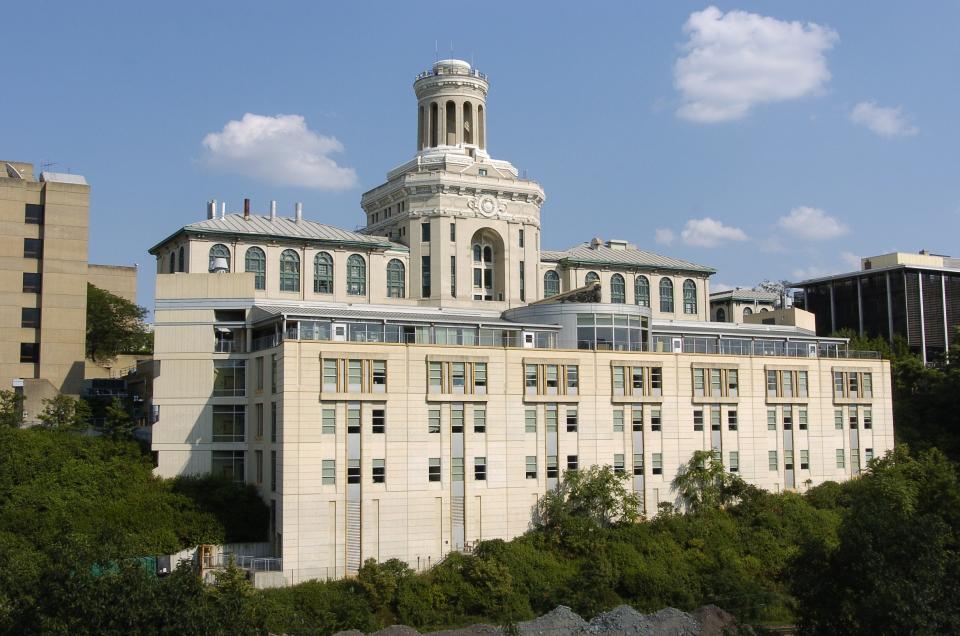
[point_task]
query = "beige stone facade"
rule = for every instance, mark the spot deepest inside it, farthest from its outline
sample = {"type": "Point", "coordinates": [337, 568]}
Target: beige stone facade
{"type": "Point", "coordinates": [386, 414]}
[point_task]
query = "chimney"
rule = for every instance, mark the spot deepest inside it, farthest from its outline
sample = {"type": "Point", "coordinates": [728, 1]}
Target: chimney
{"type": "Point", "coordinates": [212, 209]}
{"type": "Point", "coordinates": [299, 209]}
{"type": "Point", "coordinates": [223, 210]}
{"type": "Point", "coordinates": [273, 210]}
{"type": "Point", "coordinates": [246, 208]}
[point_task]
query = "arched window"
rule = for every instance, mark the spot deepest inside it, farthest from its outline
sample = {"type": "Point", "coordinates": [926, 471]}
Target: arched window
{"type": "Point", "coordinates": [322, 273]}
{"type": "Point", "coordinates": [256, 261]}
{"type": "Point", "coordinates": [183, 261]}
{"type": "Point", "coordinates": [689, 297]}
{"type": "Point", "coordinates": [173, 262]}
{"type": "Point", "coordinates": [618, 289]}
{"type": "Point", "coordinates": [476, 253]}
{"type": "Point", "coordinates": [592, 277]}
{"type": "Point", "coordinates": [481, 127]}
{"type": "Point", "coordinates": [484, 265]}
{"type": "Point", "coordinates": [721, 315]}
{"type": "Point", "coordinates": [219, 251]}
{"type": "Point", "coordinates": [487, 254]}
{"type": "Point", "coordinates": [395, 279]}
{"type": "Point", "coordinates": [451, 139]}
{"type": "Point", "coordinates": [747, 311]}
{"type": "Point", "coordinates": [289, 271]}
{"type": "Point", "coordinates": [434, 125]}
{"type": "Point", "coordinates": [467, 123]}
{"type": "Point", "coordinates": [641, 290]}
{"type": "Point", "coordinates": [763, 309]}
{"type": "Point", "coordinates": [666, 295]}
{"type": "Point", "coordinates": [551, 284]}
{"type": "Point", "coordinates": [356, 275]}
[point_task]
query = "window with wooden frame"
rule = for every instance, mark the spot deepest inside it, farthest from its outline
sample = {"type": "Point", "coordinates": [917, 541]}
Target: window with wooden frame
{"type": "Point", "coordinates": [454, 377]}
{"type": "Point", "coordinates": [715, 383]}
{"type": "Point", "coordinates": [787, 383]}
{"type": "Point", "coordinates": [551, 378]}
{"type": "Point", "coordinates": [852, 384]}
{"type": "Point", "coordinates": [641, 381]}
{"type": "Point", "coordinates": [342, 375]}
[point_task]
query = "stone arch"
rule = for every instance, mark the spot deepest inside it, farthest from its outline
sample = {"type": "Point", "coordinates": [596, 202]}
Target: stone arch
{"type": "Point", "coordinates": [489, 270]}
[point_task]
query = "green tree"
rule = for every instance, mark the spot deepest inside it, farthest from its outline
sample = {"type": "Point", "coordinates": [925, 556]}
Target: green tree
{"type": "Point", "coordinates": [65, 413]}
{"type": "Point", "coordinates": [118, 423]}
{"type": "Point", "coordinates": [895, 566]}
{"type": "Point", "coordinates": [114, 326]}
{"type": "Point", "coordinates": [704, 484]}
{"type": "Point", "coordinates": [11, 408]}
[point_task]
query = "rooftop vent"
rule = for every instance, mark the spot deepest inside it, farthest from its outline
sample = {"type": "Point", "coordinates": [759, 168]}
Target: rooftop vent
{"type": "Point", "coordinates": [595, 242]}
{"type": "Point", "coordinates": [299, 211]}
{"type": "Point", "coordinates": [219, 265]}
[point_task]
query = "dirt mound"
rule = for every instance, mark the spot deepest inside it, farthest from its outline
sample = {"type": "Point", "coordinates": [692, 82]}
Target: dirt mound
{"type": "Point", "coordinates": [559, 622]}
{"type": "Point", "coordinates": [479, 629]}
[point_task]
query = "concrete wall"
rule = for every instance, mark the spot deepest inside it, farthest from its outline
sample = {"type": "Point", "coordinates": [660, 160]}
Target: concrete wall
{"type": "Point", "coordinates": [120, 280]}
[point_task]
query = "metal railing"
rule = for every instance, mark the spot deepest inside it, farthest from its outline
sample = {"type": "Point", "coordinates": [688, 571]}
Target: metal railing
{"type": "Point", "coordinates": [244, 562]}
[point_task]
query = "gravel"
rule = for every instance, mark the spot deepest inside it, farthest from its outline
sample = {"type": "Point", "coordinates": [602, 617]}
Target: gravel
{"type": "Point", "coordinates": [561, 621]}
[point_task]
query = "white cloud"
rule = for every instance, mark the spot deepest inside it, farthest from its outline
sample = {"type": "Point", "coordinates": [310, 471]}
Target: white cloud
{"type": "Point", "coordinates": [851, 260]}
{"type": "Point", "coordinates": [813, 271]}
{"type": "Point", "coordinates": [733, 61]}
{"type": "Point", "coordinates": [812, 223]}
{"type": "Point", "coordinates": [664, 236]}
{"type": "Point", "coordinates": [884, 121]}
{"type": "Point", "coordinates": [280, 150]}
{"type": "Point", "coordinates": [720, 287]}
{"type": "Point", "coordinates": [709, 232]}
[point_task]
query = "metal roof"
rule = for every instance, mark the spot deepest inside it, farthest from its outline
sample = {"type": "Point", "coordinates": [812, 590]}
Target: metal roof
{"type": "Point", "coordinates": [63, 177]}
{"type": "Point", "coordinates": [391, 315]}
{"type": "Point", "coordinates": [283, 228]}
{"type": "Point", "coordinates": [745, 294]}
{"type": "Point", "coordinates": [588, 254]}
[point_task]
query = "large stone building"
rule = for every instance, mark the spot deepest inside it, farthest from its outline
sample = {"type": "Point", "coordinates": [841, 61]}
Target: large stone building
{"type": "Point", "coordinates": [413, 388]}
{"type": "Point", "coordinates": [914, 296]}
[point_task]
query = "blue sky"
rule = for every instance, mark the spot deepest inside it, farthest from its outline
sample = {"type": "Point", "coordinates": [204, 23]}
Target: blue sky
{"type": "Point", "coordinates": [769, 140]}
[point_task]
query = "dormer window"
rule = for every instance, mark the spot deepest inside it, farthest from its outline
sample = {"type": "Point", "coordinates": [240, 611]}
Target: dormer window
{"type": "Point", "coordinates": [482, 172]}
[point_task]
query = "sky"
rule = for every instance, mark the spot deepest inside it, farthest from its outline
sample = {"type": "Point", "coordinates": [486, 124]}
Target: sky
{"type": "Point", "coordinates": [769, 140]}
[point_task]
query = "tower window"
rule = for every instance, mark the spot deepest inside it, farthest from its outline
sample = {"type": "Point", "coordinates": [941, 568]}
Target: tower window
{"type": "Point", "coordinates": [356, 275]}
{"type": "Point", "coordinates": [255, 262]}
{"type": "Point", "coordinates": [289, 271]}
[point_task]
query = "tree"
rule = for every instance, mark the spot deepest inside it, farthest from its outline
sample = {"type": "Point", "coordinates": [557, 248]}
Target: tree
{"type": "Point", "coordinates": [114, 326]}
{"type": "Point", "coordinates": [118, 424]}
{"type": "Point", "coordinates": [11, 408]}
{"type": "Point", "coordinates": [66, 413]}
{"type": "Point", "coordinates": [704, 484]}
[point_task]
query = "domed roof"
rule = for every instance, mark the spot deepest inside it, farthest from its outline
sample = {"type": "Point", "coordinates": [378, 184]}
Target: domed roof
{"type": "Point", "coordinates": [451, 64]}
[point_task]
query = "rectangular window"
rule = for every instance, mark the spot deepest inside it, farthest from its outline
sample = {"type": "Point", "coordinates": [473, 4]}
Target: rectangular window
{"type": "Point", "coordinates": [425, 276]}
{"type": "Point", "coordinates": [788, 459]}
{"type": "Point", "coordinates": [521, 237]}
{"type": "Point", "coordinates": [657, 463]}
{"type": "Point", "coordinates": [378, 421]}
{"type": "Point", "coordinates": [228, 464]}
{"type": "Point", "coordinates": [734, 461]}
{"type": "Point", "coordinates": [771, 419]}
{"type": "Point", "coordinates": [480, 468]}
{"type": "Point", "coordinates": [636, 380]}
{"type": "Point", "coordinates": [379, 376]}
{"type": "Point", "coordinates": [273, 471]}
{"type": "Point", "coordinates": [804, 460]}
{"type": "Point", "coordinates": [353, 471]}
{"type": "Point", "coordinates": [354, 376]}
{"type": "Point", "coordinates": [425, 232]}
{"type": "Point", "coordinates": [553, 378]}
{"type": "Point", "coordinates": [329, 375]}
{"type": "Point", "coordinates": [33, 214]}
{"type": "Point", "coordinates": [571, 419]}
{"type": "Point", "coordinates": [716, 387]}
{"type": "Point", "coordinates": [617, 420]}
{"type": "Point", "coordinates": [802, 383]}
{"type": "Point", "coordinates": [456, 468]}
{"type": "Point", "coordinates": [453, 276]}
{"type": "Point", "coordinates": [802, 418]}
{"type": "Point", "coordinates": [274, 422]}
{"type": "Point", "coordinates": [855, 460]}
{"type": "Point", "coordinates": [733, 382]}
{"type": "Point", "coordinates": [656, 380]}
{"type": "Point", "coordinates": [530, 421]}
{"type": "Point", "coordinates": [32, 248]}
{"type": "Point", "coordinates": [379, 471]}
{"type": "Point", "coordinates": [30, 317]}
{"type": "Point", "coordinates": [573, 462]}
{"type": "Point", "coordinates": [229, 422]}
{"type": "Point", "coordinates": [787, 383]}
{"type": "Point", "coordinates": [698, 420]}
{"type": "Point", "coordinates": [353, 419]}
{"type": "Point", "coordinates": [258, 366]}
{"type": "Point", "coordinates": [618, 380]}
{"type": "Point", "coordinates": [772, 460]}
{"type": "Point", "coordinates": [523, 285]}
{"type": "Point", "coordinates": [655, 419]}
{"type": "Point", "coordinates": [531, 468]}
{"type": "Point", "coordinates": [433, 469]}
{"type": "Point", "coordinates": [551, 418]}
{"type": "Point", "coordinates": [31, 283]}
{"type": "Point", "coordinates": [854, 420]}
{"type": "Point", "coordinates": [573, 378]}
{"type": "Point", "coordinates": [771, 383]}
{"type": "Point", "coordinates": [329, 426]}
{"type": "Point", "coordinates": [458, 376]}
{"type": "Point", "coordinates": [868, 418]}
{"type": "Point", "coordinates": [453, 231]}
{"type": "Point", "coordinates": [732, 420]}
{"type": "Point", "coordinates": [841, 463]}
{"type": "Point", "coordinates": [479, 419]}
{"type": "Point", "coordinates": [329, 475]}
{"type": "Point", "coordinates": [788, 418]}
{"type": "Point", "coordinates": [433, 421]}
{"type": "Point", "coordinates": [435, 379]}
{"type": "Point", "coordinates": [456, 418]}
{"type": "Point", "coordinates": [636, 414]}
{"type": "Point", "coordinates": [838, 384]}
{"type": "Point", "coordinates": [698, 385]}
{"type": "Point", "coordinates": [553, 469]}
{"type": "Point", "coordinates": [480, 377]}
{"type": "Point", "coordinates": [638, 463]}
{"type": "Point", "coordinates": [274, 373]}
{"type": "Point", "coordinates": [259, 457]}
{"type": "Point", "coordinates": [530, 378]}
{"type": "Point", "coordinates": [714, 418]}
{"type": "Point", "coordinates": [838, 419]}
{"type": "Point", "coordinates": [854, 384]}
{"type": "Point", "coordinates": [867, 385]}
{"type": "Point", "coordinates": [229, 378]}
{"type": "Point", "coordinates": [258, 415]}
{"type": "Point", "coordinates": [618, 464]}
{"type": "Point", "coordinates": [868, 454]}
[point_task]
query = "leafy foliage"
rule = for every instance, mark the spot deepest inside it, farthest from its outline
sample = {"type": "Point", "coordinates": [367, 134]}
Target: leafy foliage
{"type": "Point", "coordinates": [703, 483]}
{"type": "Point", "coordinates": [114, 326]}
{"type": "Point", "coordinates": [65, 413]}
{"type": "Point", "coordinates": [11, 409]}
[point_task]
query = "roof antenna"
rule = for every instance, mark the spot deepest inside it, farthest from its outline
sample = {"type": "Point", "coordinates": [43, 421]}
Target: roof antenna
{"type": "Point", "coordinates": [436, 50]}
{"type": "Point", "coordinates": [451, 49]}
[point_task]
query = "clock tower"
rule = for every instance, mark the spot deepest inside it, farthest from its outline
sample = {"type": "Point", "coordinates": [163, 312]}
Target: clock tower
{"type": "Point", "coordinates": [471, 224]}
